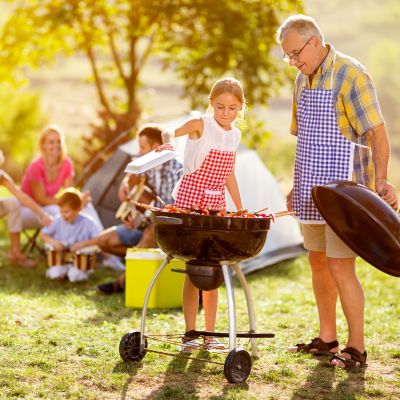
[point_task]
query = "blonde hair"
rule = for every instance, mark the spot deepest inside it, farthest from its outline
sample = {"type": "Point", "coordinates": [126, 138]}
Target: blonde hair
{"type": "Point", "coordinates": [45, 134]}
{"type": "Point", "coordinates": [227, 85]}
{"type": "Point", "coordinates": [304, 25]}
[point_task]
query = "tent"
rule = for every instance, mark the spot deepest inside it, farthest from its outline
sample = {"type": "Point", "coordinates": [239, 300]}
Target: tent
{"type": "Point", "coordinates": [258, 187]}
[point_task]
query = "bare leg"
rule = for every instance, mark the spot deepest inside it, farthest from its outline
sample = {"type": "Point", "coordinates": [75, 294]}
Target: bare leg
{"type": "Point", "coordinates": [325, 293]}
{"type": "Point", "coordinates": [109, 242]}
{"type": "Point", "coordinates": [352, 300]}
{"type": "Point", "coordinates": [190, 304]}
{"type": "Point", "coordinates": [15, 249]}
{"type": "Point", "coordinates": [210, 305]}
{"type": "Point", "coordinates": [15, 255]}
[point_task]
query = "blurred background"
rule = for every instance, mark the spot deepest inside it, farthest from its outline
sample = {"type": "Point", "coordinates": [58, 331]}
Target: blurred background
{"type": "Point", "coordinates": [101, 69]}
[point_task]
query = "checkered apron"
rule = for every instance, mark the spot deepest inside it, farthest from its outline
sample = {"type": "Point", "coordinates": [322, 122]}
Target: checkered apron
{"type": "Point", "coordinates": [323, 154]}
{"type": "Point", "coordinates": [205, 187]}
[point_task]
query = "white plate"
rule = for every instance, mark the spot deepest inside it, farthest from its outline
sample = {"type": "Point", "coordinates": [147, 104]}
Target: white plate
{"type": "Point", "coordinates": [149, 160]}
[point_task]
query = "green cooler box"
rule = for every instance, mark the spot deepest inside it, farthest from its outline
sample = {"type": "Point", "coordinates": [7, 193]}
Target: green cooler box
{"type": "Point", "coordinates": [141, 265]}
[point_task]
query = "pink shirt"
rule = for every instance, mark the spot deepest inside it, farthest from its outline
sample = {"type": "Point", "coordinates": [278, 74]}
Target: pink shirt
{"type": "Point", "coordinates": [36, 172]}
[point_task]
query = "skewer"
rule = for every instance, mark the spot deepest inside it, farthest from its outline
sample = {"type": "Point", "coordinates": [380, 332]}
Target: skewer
{"type": "Point", "coordinates": [259, 211]}
{"type": "Point", "coordinates": [146, 206]}
{"type": "Point", "coordinates": [158, 198]}
{"type": "Point", "coordinates": [284, 213]}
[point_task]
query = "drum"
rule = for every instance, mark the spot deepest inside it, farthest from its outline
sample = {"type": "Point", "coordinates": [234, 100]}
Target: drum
{"type": "Point", "coordinates": [85, 259]}
{"type": "Point", "coordinates": [55, 258]}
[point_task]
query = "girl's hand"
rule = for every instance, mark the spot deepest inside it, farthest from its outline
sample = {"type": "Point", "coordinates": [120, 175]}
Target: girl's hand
{"type": "Point", "coordinates": [165, 146]}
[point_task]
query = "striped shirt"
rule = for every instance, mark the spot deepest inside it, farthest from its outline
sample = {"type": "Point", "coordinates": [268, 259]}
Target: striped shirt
{"type": "Point", "coordinates": [356, 103]}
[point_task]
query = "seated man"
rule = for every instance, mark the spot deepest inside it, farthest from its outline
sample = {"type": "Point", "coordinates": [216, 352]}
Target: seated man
{"type": "Point", "coordinates": [10, 207]}
{"type": "Point", "coordinates": [161, 180]}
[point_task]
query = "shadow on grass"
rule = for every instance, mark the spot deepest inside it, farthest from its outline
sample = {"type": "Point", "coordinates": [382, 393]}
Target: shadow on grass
{"type": "Point", "coordinates": [181, 377]}
{"type": "Point", "coordinates": [128, 368]}
{"type": "Point", "coordinates": [320, 384]}
{"type": "Point", "coordinates": [32, 283]}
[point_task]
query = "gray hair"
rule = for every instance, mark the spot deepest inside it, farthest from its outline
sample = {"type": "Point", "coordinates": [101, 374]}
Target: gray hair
{"type": "Point", "coordinates": [304, 25]}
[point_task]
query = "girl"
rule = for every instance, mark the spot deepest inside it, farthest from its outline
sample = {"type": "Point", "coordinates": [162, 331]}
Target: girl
{"type": "Point", "coordinates": [208, 169]}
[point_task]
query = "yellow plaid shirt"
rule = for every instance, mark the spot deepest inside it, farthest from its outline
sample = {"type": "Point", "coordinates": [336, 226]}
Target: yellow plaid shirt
{"type": "Point", "coordinates": [356, 102]}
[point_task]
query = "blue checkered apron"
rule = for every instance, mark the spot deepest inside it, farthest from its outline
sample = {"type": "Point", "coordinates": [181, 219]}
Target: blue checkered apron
{"type": "Point", "coordinates": [323, 154]}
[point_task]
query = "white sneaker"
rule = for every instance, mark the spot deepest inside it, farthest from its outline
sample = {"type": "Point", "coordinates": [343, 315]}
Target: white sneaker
{"type": "Point", "coordinates": [115, 263]}
{"type": "Point", "coordinates": [76, 275]}
{"type": "Point", "coordinates": [57, 271]}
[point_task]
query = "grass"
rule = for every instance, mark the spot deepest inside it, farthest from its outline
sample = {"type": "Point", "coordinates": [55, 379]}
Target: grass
{"type": "Point", "coordinates": [60, 341]}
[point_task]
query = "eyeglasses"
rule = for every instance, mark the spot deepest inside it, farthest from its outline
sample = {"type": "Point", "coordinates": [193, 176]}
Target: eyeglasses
{"type": "Point", "coordinates": [295, 54]}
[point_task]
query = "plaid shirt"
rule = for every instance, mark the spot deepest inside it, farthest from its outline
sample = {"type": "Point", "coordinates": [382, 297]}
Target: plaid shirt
{"type": "Point", "coordinates": [356, 102]}
{"type": "Point", "coordinates": [162, 180]}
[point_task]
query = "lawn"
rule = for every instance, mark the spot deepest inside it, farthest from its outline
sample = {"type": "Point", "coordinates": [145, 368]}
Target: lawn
{"type": "Point", "coordinates": [60, 341]}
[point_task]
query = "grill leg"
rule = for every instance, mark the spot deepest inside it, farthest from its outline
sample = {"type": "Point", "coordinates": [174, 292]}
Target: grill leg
{"type": "Point", "coordinates": [231, 304]}
{"type": "Point", "coordinates": [250, 307]}
{"type": "Point", "coordinates": [146, 301]}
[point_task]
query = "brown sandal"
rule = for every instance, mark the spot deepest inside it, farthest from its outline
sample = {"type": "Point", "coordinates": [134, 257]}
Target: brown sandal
{"type": "Point", "coordinates": [356, 360]}
{"type": "Point", "coordinates": [316, 347]}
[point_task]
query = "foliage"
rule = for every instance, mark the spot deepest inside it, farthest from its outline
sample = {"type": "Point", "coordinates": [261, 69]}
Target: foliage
{"type": "Point", "coordinates": [20, 119]}
{"type": "Point", "coordinates": [200, 39]}
{"type": "Point", "coordinates": [254, 132]}
{"type": "Point", "coordinates": [60, 340]}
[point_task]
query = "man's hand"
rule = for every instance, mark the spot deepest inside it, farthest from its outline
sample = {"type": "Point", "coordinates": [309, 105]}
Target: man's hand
{"type": "Point", "coordinates": [124, 190]}
{"type": "Point", "coordinates": [128, 222]}
{"type": "Point", "coordinates": [289, 201]}
{"type": "Point", "coordinates": [46, 220]}
{"type": "Point", "coordinates": [387, 192]}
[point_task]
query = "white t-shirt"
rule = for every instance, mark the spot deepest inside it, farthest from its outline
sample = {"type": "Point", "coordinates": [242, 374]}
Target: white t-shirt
{"type": "Point", "coordinates": [213, 137]}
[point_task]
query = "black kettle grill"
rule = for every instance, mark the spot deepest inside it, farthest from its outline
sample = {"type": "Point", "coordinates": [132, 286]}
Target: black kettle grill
{"type": "Point", "coordinates": [366, 223]}
{"type": "Point", "coordinates": [209, 245]}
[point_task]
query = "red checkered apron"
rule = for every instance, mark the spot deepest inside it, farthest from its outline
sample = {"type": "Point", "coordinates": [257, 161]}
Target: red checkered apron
{"type": "Point", "coordinates": [205, 187]}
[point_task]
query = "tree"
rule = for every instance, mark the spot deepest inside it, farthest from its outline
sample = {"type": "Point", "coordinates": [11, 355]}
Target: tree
{"type": "Point", "coordinates": [200, 39]}
{"type": "Point", "coordinates": [20, 119]}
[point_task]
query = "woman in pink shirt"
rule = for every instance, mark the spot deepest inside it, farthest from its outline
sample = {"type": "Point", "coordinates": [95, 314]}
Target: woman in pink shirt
{"type": "Point", "coordinates": [52, 171]}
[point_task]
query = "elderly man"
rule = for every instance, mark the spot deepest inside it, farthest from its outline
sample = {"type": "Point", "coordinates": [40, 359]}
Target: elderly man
{"type": "Point", "coordinates": [340, 135]}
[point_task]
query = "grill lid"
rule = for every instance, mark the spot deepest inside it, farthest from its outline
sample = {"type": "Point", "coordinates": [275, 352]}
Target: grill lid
{"type": "Point", "coordinates": [366, 223]}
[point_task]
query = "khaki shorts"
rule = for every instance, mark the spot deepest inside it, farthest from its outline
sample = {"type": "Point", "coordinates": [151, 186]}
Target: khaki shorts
{"type": "Point", "coordinates": [320, 237]}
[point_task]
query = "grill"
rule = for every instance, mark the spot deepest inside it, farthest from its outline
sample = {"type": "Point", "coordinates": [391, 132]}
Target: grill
{"type": "Point", "coordinates": [210, 245]}
{"type": "Point", "coordinates": [209, 239]}
{"type": "Point", "coordinates": [365, 222]}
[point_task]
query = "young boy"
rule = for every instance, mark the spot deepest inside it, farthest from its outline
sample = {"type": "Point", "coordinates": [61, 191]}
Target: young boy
{"type": "Point", "coordinates": [70, 231]}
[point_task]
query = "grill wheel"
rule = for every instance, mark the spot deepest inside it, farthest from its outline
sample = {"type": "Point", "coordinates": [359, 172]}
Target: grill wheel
{"type": "Point", "coordinates": [237, 366]}
{"type": "Point", "coordinates": [129, 347]}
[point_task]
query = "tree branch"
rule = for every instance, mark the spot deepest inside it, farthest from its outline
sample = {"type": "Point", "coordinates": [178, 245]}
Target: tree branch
{"type": "Point", "coordinates": [92, 59]}
{"type": "Point", "coordinates": [114, 51]}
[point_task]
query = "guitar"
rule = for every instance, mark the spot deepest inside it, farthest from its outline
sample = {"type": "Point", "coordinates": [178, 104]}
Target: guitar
{"type": "Point", "coordinates": [139, 193]}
